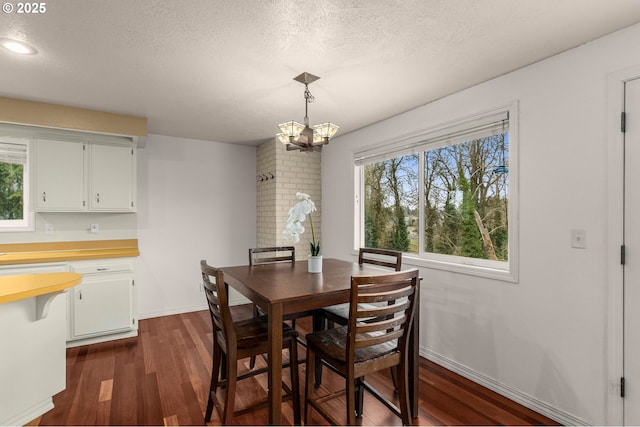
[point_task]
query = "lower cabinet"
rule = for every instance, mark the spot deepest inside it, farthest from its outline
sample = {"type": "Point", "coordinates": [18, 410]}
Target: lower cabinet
{"type": "Point", "coordinates": [103, 306]}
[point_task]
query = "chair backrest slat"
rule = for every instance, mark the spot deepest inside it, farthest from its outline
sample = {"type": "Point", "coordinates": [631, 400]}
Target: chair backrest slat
{"type": "Point", "coordinates": [272, 254]}
{"type": "Point", "coordinates": [381, 257]}
{"type": "Point", "coordinates": [369, 341]}
{"type": "Point", "coordinates": [385, 311]}
{"type": "Point", "coordinates": [380, 325]}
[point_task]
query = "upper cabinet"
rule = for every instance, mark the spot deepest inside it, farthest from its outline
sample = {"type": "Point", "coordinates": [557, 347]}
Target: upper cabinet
{"type": "Point", "coordinates": [72, 176]}
{"type": "Point", "coordinates": [60, 176]}
{"type": "Point", "coordinates": [111, 177]}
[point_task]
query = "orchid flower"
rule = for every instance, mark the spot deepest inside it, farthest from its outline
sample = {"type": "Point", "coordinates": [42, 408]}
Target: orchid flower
{"type": "Point", "coordinates": [297, 214]}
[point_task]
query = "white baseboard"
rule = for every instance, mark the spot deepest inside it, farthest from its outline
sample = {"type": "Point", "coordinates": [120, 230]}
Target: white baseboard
{"type": "Point", "coordinates": [29, 414]}
{"type": "Point", "coordinates": [102, 338]}
{"type": "Point", "coordinates": [172, 311]}
{"type": "Point", "coordinates": [524, 399]}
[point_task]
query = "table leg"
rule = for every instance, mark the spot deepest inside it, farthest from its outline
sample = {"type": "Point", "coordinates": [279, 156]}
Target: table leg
{"type": "Point", "coordinates": [275, 364]}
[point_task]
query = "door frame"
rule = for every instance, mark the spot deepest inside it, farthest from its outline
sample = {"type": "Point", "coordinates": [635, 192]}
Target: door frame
{"type": "Point", "coordinates": [615, 232]}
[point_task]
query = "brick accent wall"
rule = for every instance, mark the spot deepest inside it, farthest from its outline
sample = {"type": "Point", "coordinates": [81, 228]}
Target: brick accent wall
{"type": "Point", "coordinates": [293, 171]}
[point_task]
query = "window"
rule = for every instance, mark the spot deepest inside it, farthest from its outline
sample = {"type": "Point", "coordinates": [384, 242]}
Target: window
{"type": "Point", "coordinates": [15, 214]}
{"type": "Point", "coordinates": [444, 197]}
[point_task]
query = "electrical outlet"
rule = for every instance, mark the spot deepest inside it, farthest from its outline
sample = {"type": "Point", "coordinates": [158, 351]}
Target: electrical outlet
{"type": "Point", "coordinates": [201, 287]}
{"type": "Point", "coordinates": [94, 228]}
{"type": "Point", "coordinates": [48, 229]}
{"type": "Point", "coordinates": [579, 239]}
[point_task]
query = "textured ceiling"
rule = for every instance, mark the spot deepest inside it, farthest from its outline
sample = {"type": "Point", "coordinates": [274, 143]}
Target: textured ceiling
{"type": "Point", "coordinates": [222, 70]}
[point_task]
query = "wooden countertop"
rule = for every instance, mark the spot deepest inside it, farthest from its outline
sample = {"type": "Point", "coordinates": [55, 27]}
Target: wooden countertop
{"type": "Point", "coordinates": [27, 253]}
{"type": "Point", "coordinates": [13, 288]}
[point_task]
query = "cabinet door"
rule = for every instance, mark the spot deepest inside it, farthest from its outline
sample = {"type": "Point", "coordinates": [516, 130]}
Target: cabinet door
{"type": "Point", "coordinates": [60, 175]}
{"type": "Point", "coordinates": [111, 178]}
{"type": "Point", "coordinates": [102, 305]}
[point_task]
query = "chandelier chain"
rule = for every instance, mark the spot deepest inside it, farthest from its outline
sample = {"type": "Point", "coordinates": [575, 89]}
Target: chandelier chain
{"type": "Point", "coordinates": [307, 94]}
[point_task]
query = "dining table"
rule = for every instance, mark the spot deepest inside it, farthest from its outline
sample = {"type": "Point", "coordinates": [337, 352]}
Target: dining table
{"type": "Point", "coordinates": [284, 289]}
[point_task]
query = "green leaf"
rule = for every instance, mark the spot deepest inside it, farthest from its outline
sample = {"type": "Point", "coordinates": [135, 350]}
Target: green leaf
{"type": "Point", "coordinates": [314, 249]}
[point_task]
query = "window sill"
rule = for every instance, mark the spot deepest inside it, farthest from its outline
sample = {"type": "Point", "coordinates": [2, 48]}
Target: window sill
{"type": "Point", "coordinates": [503, 274]}
{"type": "Point", "coordinates": [488, 272]}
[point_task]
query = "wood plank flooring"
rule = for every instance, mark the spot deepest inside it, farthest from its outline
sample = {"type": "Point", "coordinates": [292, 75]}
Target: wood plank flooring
{"type": "Point", "coordinates": [162, 378]}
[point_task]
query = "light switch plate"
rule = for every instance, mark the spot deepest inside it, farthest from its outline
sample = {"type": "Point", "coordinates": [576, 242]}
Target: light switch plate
{"type": "Point", "coordinates": [579, 239]}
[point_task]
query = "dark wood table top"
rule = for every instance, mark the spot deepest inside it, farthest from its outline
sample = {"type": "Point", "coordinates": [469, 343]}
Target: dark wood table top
{"type": "Point", "coordinates": [291, 285]}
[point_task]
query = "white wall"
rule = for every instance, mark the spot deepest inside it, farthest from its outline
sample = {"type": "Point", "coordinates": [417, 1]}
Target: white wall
{"type": "Point", "coordinates": [543, 340]}
{"type": "Point", "coordinates": [196, 200]}
{"type": "Point", "coordinates": [70, 226]}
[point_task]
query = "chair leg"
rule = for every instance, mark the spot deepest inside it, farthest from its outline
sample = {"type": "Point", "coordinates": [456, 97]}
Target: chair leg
{"type": "Point", "coordinates": [252, 360]}
{"type": "Point", "coordinates": [359, 389]}
{"type": "Point", "coordinates": [393, 378]}
{"type": "Point", "coordinates": [311, 361]}
{"type": "Point", "coordinates": [295, 380]}
{"type": "Point", "coordinates": [403, 394]}
{"type": "Point", "coordinates": [215, 372]}
{"type": "Point", "coordinates": [223, 367]}
{"type": "Point", "coordinates": [318, 325]}
{"type": "Point", "coordinates": [232, 377]}
{"type": "Point", "coordinates": [351, 401]}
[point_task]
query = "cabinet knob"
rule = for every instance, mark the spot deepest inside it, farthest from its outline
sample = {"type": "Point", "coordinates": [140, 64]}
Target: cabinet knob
{"type": "Point", "coordinates": [98, 197]}
{"type": "Point", "coordinates": [44, 196]}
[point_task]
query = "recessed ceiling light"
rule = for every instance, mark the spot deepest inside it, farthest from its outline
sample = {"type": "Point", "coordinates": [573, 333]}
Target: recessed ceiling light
{"type": "Point", "coordinates": [17, 46]}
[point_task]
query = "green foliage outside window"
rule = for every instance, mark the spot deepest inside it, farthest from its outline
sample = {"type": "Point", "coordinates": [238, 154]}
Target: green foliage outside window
{"type": "Point", "coordinates": [11, 191]}
{"type": "Point", "coordinates": [465, 198]}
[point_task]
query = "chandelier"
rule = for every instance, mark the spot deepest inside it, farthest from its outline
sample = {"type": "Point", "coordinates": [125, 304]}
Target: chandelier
{"type": "Point", "coordinates": [301, 137]}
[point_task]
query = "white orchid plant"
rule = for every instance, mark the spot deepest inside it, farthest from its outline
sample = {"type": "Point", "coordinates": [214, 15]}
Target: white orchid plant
{"type": "Point", "coordinates": [297, 214]}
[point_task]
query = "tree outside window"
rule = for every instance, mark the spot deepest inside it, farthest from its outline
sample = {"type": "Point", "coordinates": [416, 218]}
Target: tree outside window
{"type": "Point", "coordinates": [11, 191]}
{"type": "Point", "coordinates": [445, 199]}
{"type": "Point", "coordinates": [14, 185]}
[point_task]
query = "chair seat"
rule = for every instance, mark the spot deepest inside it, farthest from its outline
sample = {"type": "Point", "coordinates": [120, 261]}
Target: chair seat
{"type": "Point", "coordinates": [339, 313]}
{"type": "Point", "coordinates": [253, 333]}
{"type": "Point", "coordinates": [331, 346]}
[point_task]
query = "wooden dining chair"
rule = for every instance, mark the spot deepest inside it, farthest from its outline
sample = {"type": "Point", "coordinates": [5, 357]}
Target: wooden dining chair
{"type": "Point", "coordinates": [376, 337]}
{"type": "Point", "coordinates": [235, 340]}
{"type": "Point", "coordinates": [339, 314]}
{"type": "Point", "coordinates": [270, 255]}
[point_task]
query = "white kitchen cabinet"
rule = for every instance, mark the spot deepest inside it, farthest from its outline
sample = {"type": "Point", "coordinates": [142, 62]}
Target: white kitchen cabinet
{"type": "Point", "coordinates": [103, 306]}
{"type": "Point", "coordinates": [60, 176]}
{"type": "Point", "coordinates": [76, 176]}
{"type": "Point", "coordinates": [111, 177]}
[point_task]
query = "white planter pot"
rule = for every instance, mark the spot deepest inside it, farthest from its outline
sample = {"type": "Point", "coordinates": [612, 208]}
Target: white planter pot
{"type": "Point", "coordinates": [315, 264]}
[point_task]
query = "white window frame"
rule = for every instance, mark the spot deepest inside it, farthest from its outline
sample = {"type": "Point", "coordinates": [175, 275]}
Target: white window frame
{"type": "Point", "coordinates": [27, 223]}
{"type": "Point", "coordinates": [431, 138]}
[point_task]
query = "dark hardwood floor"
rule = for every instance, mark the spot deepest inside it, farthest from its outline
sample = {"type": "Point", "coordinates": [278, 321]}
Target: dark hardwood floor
{"type": "Point", "coordinates": [162, 378]}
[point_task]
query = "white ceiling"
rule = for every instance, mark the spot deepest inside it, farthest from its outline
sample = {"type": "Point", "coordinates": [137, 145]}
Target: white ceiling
{"type": "Point", "coordinates": [222, 70]}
